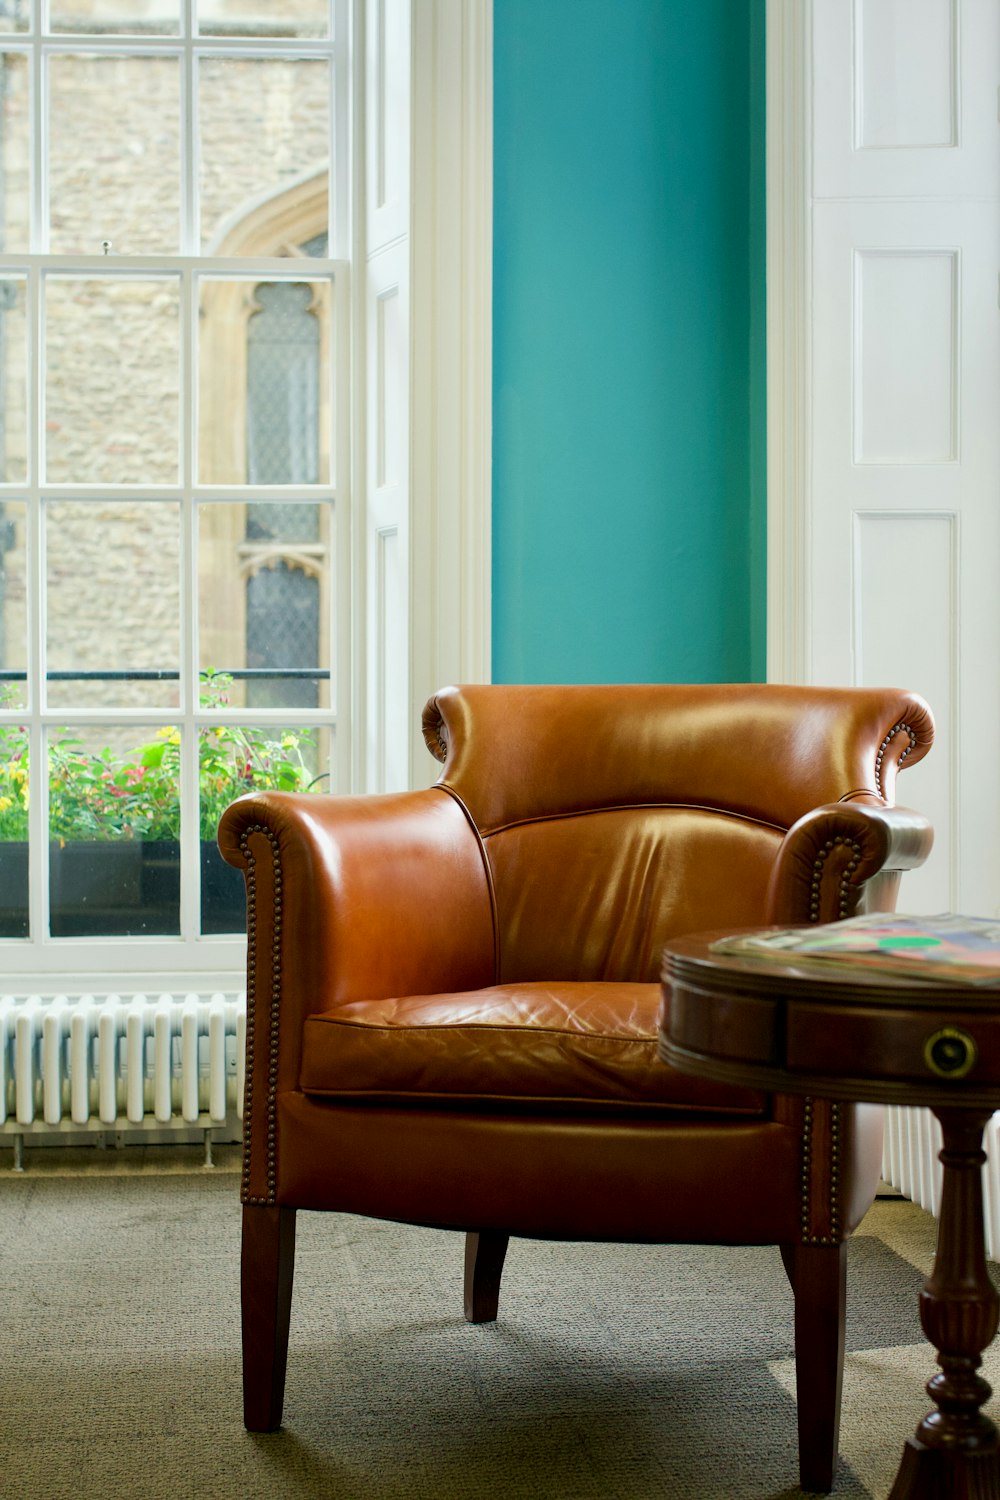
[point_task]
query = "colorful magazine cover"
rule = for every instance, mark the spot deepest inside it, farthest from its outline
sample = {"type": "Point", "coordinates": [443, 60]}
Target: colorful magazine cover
{"type": "Point", "coordinates": [947, 946]}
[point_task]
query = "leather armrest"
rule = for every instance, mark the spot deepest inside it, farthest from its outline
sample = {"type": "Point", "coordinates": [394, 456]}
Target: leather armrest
{"type": "Point", "coordinates": [845, 858]}
{"type": "Point", "coordinates": [351, 898]}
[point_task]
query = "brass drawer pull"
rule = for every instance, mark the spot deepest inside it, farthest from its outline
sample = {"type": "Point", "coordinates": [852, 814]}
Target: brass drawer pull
{"type": "Point", "coordinates": [950, 1053]}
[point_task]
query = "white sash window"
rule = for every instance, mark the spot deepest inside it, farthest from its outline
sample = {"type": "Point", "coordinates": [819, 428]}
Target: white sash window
{"type": "Point", "coordinates": [224, 564]}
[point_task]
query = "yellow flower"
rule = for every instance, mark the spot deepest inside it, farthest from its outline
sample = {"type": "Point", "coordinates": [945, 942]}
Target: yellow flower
{"type": "Point", "coordinates": [6, 803]}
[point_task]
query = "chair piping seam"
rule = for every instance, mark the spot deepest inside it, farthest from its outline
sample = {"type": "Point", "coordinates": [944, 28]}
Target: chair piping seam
{"type": "Point", "coordinates": [644, 1039]}
{"type": "Point", "coordinates": [613, 807]}
{"type": "Point", "coordinates": [487, 870]}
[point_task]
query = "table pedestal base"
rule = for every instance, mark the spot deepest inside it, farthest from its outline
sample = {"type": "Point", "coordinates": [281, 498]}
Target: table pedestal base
{"type": "Point", "coordinates": [954, 1454]}
{"type": "Point", "coordinates": [933, 1474]}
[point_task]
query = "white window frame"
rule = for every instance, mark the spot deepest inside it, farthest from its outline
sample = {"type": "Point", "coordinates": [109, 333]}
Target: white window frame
{"type": "Point", "coordinates": [193, 960]}
{"type": "Point", "coordinates": [444, 244]}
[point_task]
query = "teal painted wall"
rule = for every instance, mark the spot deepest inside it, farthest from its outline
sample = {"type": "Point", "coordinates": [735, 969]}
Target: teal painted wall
{"type": "Point", "coordinates": [628, 327]}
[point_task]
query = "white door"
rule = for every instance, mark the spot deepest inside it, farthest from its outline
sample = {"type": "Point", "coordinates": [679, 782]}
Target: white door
{"type": "Point", "coordinates": [900, 408]}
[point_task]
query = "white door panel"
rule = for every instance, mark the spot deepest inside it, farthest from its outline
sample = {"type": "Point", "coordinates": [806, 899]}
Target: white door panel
{"type": "Point", "coordinates": [901, 533]}
{"type": "Point", "coordinates": [904, 96]}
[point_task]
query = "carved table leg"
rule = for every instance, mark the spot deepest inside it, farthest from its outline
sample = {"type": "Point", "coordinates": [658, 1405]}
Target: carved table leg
{"type": "Point", "coordinates": [954, 1453]}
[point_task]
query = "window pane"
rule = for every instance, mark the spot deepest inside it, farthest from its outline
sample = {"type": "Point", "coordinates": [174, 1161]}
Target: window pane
{"type": "Point", "coordinates": [283, 363]}
{"type": "Point", "coordinates": [280, 106]}
{"type": "Point", "coordinates": [111, 381]}
{"type": "Point", "coordinates": [264, 17]}
{"type": "Point", "coordinates": [13, 605]}
{"type": "Point", "coordinates": [13, 382]}
{"type": "Point", "coordinates": [15, 15]}
{"type": "Point", "coordinates": [238, 759]}
{"type": "Point", "coordinates": [113, 616]}
{"type": "Point", "coordinates": [114, 154]}
{"type": "Point", "coordinates": [13, 827]}
{"type": "Point", "coordinates": [142, 17]}
{"type": "Point", "coordinates": [114, 818]}
{"type": "Point", "coordinates": [264, 392]}
{"type": "Point", "coordinates": [15, 186]}
{"type": "Point", "coordinates": [265, 575]}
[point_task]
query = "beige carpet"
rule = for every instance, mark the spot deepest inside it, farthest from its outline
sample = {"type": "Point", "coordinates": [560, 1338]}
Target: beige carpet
{"type": "Point", "coordinates": [614, 1371]}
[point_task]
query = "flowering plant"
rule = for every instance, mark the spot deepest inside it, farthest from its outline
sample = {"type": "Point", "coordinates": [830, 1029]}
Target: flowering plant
{"type": "Point", "coordinates": [13, 779]}
{"type": "Point", "coordinates": [135, 794]}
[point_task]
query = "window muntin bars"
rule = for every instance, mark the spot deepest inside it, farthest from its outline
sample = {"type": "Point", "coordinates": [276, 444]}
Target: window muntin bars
{"type": "Point", "coordinates": [117, 442]}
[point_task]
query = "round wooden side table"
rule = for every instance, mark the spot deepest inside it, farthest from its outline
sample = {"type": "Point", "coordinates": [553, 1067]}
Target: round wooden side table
{"type": "Point", "coordinates": [847, 1034]}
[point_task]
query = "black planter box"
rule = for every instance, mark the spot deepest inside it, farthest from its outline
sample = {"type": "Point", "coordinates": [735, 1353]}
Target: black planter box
{"type": "Point", "coordinates": [223, 893]}
{"type": "Point", "coordinates": [13, 890]}
{"type": "Point", "coordinates": [119, 888]}
{"type": "Point", "coordinates": [114, 888]}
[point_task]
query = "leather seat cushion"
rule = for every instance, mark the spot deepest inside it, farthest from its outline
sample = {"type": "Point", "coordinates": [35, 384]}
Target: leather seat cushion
{"type": "Point", "coordinates": [587, 1045]}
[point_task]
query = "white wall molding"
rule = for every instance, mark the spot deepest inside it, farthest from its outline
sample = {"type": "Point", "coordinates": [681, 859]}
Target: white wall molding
{"type": "Point", "coordinates": [383, 335]}
{"type": "Point", "coordinates": [426, 210]}
{"type": "Point", "coordinates": [451, 258]}
{"type": "Point", "coordinates": [789, 125]}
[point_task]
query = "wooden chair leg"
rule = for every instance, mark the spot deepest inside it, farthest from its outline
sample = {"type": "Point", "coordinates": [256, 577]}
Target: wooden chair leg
{"type": "Point", "coordinates": [818, 1274]}
{"type": "Point", "coordinates": [267, 1268]}
{"type": "Point", "coordinates": [484, 1256]}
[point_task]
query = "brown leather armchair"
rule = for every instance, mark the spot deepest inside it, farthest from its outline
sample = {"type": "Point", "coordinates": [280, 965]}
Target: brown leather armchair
{"type": "Point", "coordinates": [452, 993]}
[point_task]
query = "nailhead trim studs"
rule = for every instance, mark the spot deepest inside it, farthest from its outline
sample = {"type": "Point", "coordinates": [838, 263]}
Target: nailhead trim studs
{"type": "Point", "coordinates": [271, 1137]}
{"type": "Point", "coordinates": [808, 1121]}
{"type": "Point", "coordinates": [819, 866]}
{"type": "Point", "coordinates": [900, 728]}
{"type": "Point", "coordinates": [807, 1126]}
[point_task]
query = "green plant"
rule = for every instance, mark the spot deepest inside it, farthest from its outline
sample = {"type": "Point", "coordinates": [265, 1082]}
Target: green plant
{"type": "Point", "coordinates": [13, 776]}
{"type": "Point", "coordinates": [134, 794]}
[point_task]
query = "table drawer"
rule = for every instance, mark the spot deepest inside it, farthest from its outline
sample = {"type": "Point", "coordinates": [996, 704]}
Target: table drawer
{"type": "Point", "coordinates": [869, 1042]}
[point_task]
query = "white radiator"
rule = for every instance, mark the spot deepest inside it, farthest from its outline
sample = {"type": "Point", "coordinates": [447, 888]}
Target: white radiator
{"type": "Point", "coordinates": [114, 1063]}
{"type": "Point", "coordinates": [910, 1163]}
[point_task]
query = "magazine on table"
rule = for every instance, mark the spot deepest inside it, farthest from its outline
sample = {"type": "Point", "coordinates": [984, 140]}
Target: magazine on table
{"type": "Point", "coordinates": [949, 946]}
